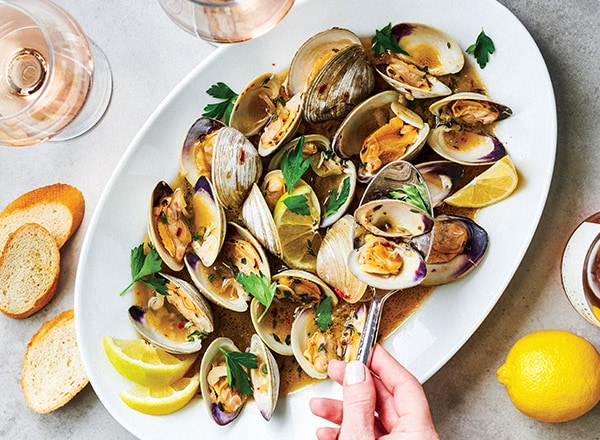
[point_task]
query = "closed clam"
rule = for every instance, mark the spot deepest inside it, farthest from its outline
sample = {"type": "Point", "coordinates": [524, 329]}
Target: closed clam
{"type": "Point", "coordinates": [176, 322]}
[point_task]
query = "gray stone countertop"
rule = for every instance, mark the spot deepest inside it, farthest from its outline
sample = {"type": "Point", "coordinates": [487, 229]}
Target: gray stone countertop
{"type": "Point", "coordinates": [149, 56]}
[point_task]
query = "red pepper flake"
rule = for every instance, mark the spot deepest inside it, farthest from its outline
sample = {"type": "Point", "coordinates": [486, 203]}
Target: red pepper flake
{"type": "Point", "coordinates": [242, 156]}
{"type": "Point", "coordinates": [179, 231]}
{"type": "Point", "coordinates": [181, 325]}
{"type": "Point", "coordinates": [341, 294]}
{"type": "Point", "coordinates": [322, 88]}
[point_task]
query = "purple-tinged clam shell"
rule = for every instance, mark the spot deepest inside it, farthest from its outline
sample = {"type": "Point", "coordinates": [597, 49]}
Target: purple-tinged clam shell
{"type": "Point", "coordinates": [464, 146]}
{"type": "Point", "coordinates": [441, 177]}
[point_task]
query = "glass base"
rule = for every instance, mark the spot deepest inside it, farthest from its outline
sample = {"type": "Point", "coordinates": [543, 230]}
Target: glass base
{"type": "Point", "coordinates": [97, 101]}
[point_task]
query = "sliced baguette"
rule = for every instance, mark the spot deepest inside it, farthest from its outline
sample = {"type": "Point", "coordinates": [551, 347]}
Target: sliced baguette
{"type": "Point", "coordinates": [59, 208]}
{"type": "Point", "coordinates": [29, 271]}
{"type": "Point", "coordinates": [53, 372]}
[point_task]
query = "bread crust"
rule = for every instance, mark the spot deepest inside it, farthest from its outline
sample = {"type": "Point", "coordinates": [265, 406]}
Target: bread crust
{"type": "Point", "coordinates": [53, 372]}
{"type": "Point", "coordinates": [24, 209]}
{"type": "Point", "coordinates": [18, 280]}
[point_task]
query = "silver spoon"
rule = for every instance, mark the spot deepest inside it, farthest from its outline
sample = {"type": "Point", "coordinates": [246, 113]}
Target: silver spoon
{"type": "Point", "coordinates": [393, 176]}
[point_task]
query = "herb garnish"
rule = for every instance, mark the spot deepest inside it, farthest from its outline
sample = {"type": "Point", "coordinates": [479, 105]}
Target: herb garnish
{"type": "Point", "coordinates": [482, 49]}
{"type": "Point", "coordinates": [220, 110]}
{"type": "Point", "coordinates": [293, 165]}
{"type": "Point", "coordinates": [297, 204]}
{"type": "Point", "coordinates": [237, 376]}
{"type": "Point", "coordinates": [258, 286]}
{"type": "Point", "coordinates": [415, 194]}
{"type": "Point", "coordinates": [384, 40]}
{"type": "Point", "coordinates": [336, 200]}
{"type": "Point", "coordinates": [323, 314]}
{"type": "Point", "coordinates": [145, 265]}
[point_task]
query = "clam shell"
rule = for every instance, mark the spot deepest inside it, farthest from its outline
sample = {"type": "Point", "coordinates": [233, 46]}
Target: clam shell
{"type": "Point", "coordinates": [258, 219]}
{"type": "Point", "coordinates": [441, 177]}
{"type": "Point", "coordinates": [470, 148]}
{"type": "Point", "coordinates": [497, 111]}
{"type": "Point", "coordinates": [465, 262]}
{"type": "Point", "coordinates": [212, 353]}
{"type": "Point", "coordinates": [190, 304]}
{"type": "Point", "coordinates": [282, 126]}
{"type": "Point", "coordinates": [265, 379]}
{"type": "Point", "coordinates": [251, 111]}
{"type": "Point", "coordinates": [196, 153]}
{"type": "Point", "coordinates": [333, 269]}
{"type": "Point", "coordinates": [236, 166]}
{"type": "Point", "coordinates": [393, 218]}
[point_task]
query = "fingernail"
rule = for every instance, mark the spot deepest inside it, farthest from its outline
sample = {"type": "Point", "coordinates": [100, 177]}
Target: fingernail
{"type": "Point", "coordinates": [355, 373]}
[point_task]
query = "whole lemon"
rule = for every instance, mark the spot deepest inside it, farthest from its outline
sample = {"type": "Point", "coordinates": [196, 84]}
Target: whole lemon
{"type": "Point", "coordinates": [552, 375]}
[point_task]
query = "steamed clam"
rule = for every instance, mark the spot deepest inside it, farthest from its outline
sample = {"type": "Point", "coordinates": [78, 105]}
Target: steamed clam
{"type": "Point", "coordinates": [469, 108]}
{"type": "Point", "coordinates": [176, 322]}
{"type": "Point", "coordinates": [333, 71]}
{"type": "Point", "coordinates": [296, 289]}
{"type": "Point", "coordinates": [442, 178]}
{"type": "Point", "coordinates": [458, 246]}
{"type": "Point", "coordinates": [427, 54]}
{"type": "Point", "coordinates": [264, 378]}
{"type": "Point", "coordinates": [314, 344]}
{"type": "Point", "coordinates": [465, 146]}
{"type": "Point", "coordinates": [240, 253]}
{"type": "Point", "coordinates": [378, 131]}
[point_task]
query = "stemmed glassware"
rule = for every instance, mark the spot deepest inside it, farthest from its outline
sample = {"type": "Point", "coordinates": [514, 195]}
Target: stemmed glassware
{"type": "Point", "coordinates": [226, 21]}
{"type": "Point", "coordinates": [54, 83]}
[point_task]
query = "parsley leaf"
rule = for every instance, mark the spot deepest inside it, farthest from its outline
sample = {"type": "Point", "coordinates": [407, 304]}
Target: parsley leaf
{"type": "Point", "coordinates": [293, 165]}
{"type": "Point", "coordinates": [220, 110]}
{"type": "Point", "coordinates": [415, 194]}
{"type": "Point", "coordinates": [384, 40]}
{"type": "Point", "coordinates": [258, 286]}
{"type": "Point", "coordinates": [145, 265]}
{"type": "Point", "coordinates": [336, 200]}
{"type": "Point", "coordinates": [482, 49]}
{"type": "Point", "coordinates": [323, 314]}
{"type": "Point", "coordinates": [297, 204]}
{"type": "Point", "coordinates": [237, 376]}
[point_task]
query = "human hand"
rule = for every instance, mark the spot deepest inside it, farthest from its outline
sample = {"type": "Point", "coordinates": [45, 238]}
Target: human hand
{"type": "Point", "coordinates": [391, 402]}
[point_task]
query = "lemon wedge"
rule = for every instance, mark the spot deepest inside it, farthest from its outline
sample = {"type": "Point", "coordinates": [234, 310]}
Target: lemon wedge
{"type": "Point", "coordinates": [297, 216]}
{"type": "Point", "coordinates": [145, 364]}
{"type": "Point", "coordinates": [161, 400]}
{"type": "Point", "coordinates": [494, 184]}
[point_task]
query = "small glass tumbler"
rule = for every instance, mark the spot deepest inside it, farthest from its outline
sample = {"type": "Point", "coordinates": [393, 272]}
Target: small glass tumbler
{"type": "Point", "coordinates": [226, 21]}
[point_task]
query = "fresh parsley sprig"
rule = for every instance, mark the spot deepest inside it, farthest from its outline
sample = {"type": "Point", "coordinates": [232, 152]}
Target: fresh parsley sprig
{"type": "Point", "coordinates": [415, 194]}
{"type": "Point", "coordinates": [237, 375]}
{"type": "Point", "coordinates": [323, 314]}
{"type": "Point", "coordinates": [384, 40]}
{"type": "Point", "coordinates": [258, 286]}
{"type": "Point", "coordinates": [142, 266]}
{"type": "Point", "coordinates": [297, 204]}
{"type": "Point", "coordinates": [220, 110]}
{"type": "Point", "coordinates": [336, 200]}
{"type": "Point", "coordinates": [482, 49]}
{"type": "Point", "coordinates": [294, 165]}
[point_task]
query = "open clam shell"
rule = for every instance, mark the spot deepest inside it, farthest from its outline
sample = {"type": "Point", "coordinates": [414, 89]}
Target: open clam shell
{"type": "Point", "coordinates": [393, 218]}
{"type": "Point", "coordinates": [380, 130]}
{"type": "Point", "coordinates": [465, 146]}
{"type": "Point", "coordinates": [223, 403]}
{"type": "Point", "coordinates": [196, 153]}
{"type": "Point", "coordinates": [179, 322]}
{"type": "Point", "coordinates": [254, 105]}
{"type": "Point", "coordinates": [458, 246]}
{"type": "Point", "coordinates": [334, 270]}
{"type": "Point", "coordinates": [442, 178]}
{"type": "Point", "coordinates": [295, 289]}
{"type": "Point", "coordinates": [265, 378]}
{"type": "Point", "coordinates": [257, 217]}
{"type": "Point", "coordinates": [469, 108]}
{"type": "Point", "coordinates": [240, 253]}
{"type": "Point", "coordinates": [313, 347]}
{"type": "Point", "coordinates": [168, 230]}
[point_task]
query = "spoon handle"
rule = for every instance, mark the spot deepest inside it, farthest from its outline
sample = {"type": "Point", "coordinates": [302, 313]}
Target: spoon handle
{"type": "Point", "coordinates": [371, 330]}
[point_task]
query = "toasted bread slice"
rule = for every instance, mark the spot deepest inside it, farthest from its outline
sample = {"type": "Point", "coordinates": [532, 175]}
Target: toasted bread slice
{"type": "Point", "coordinates": [59, 208]}
{"type": "Point", "coordinates": [53, 372]}
{"type": "Point", "coordinates": [29, 271]}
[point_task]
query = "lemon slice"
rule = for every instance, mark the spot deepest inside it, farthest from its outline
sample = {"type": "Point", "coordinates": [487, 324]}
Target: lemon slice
{"type": "Point", "coordinates": [298, 231]}
{"type": "Point", "coordinates": [494, 184]}
{"type": "Point", "coordinates": [161, 400]}
{"type": "Point", "coordinates": [145, 364]}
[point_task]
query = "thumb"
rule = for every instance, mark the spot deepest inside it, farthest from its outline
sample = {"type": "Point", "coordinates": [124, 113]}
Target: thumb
{"type": "Point", "coordinates": [359, 403]}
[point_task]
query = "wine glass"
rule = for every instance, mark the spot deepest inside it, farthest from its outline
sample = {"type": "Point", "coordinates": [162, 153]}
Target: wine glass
{"type": "Point", "coordinates": [54, 83]}
{"type": "Point", "coordinates": [226, 21]}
